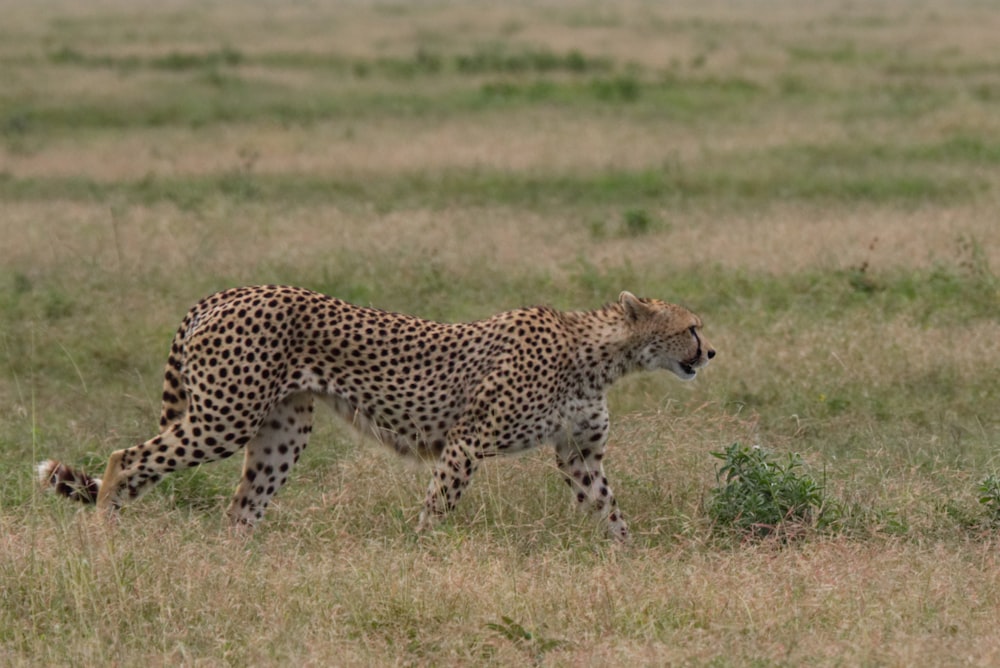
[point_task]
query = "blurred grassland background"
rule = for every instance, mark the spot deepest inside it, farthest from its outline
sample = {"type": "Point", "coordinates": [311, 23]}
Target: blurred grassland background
{"type": "Point", "coordinates": [820, 181]}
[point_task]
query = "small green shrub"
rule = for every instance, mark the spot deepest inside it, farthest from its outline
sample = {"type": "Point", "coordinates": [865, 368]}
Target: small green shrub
{"type": "Point", "coordinates": [616, 89]}
{"type": "Point", "coordinates": [597, 228]}
{"type": "Point", "coordinates": [495, 60]}
{"type": "Point", "coordinates": [180, 61]}
{"type": "Point", "coordinates": [638, 222]}
{"type": "Point", "coordinates": [760, 495]}
{"type": "Point", "coordinates": [989, 496]}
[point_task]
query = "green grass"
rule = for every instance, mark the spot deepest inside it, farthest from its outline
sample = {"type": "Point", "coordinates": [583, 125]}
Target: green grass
{"type": "Point", "coordinates": [878, 174]}
{"type": "Point", "coordinates": [222, 84]}
{"type": "Point", "coordinates": [203, 97]}
{"type": "Point", "coordinates": [495, 59]}
{"type": "Point", "coordinates": [820, 187]}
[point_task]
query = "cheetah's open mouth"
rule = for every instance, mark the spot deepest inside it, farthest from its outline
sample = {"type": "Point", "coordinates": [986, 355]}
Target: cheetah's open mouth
{"type": "Point", "coordinates": [687, 368]}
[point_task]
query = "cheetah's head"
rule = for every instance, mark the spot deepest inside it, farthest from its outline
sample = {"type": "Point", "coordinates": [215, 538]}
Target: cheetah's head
{"type": "Point", "coordinates": [667, 336]}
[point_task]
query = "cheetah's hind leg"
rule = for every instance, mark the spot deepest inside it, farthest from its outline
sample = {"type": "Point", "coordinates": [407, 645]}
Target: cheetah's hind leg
{"type": "Point", "coordinates": [270, 456]}
{"type": "Point", "coordinates": [186, 443]}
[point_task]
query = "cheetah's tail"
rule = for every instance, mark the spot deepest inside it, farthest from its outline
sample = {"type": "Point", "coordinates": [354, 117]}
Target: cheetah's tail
{"type": "Point", "coordinates": [73, 484]}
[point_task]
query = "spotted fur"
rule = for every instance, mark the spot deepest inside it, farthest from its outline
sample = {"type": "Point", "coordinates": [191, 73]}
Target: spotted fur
{"type": "Point", "coordinates": [246, 364]}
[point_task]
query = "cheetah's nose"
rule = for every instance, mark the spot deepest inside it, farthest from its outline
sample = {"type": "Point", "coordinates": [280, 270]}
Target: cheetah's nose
{"type": "Point", "coordinates": [710, 353]}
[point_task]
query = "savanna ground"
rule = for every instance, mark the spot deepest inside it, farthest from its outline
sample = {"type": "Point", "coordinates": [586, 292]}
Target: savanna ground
{"type": "Point", "coordinates": [821, 181]}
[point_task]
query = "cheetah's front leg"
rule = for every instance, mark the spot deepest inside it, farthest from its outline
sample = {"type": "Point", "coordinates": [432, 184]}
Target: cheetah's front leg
{"type": "Point", "coordinates": [585, 475]}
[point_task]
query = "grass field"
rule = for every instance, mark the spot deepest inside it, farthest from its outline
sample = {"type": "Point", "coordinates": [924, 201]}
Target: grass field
{"type": "Point", "coordinates": [820, 181]}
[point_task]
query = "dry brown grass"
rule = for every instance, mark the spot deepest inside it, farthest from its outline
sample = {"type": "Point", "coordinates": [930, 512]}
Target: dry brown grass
{"type": "Point", "coordinates": [345, 600]}
{"type": "Point", "coordinates": [540, 140]}
{"type": "Point", "coordinates": [784, 239]}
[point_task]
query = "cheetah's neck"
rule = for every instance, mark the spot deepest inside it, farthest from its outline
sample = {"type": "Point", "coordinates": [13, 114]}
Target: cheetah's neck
{"type": "Point", "coordinates": [606, 346]}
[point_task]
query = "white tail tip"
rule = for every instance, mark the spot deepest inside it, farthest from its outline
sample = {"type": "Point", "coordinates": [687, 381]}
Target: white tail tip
{"type": "Point", "coordinates": [45, 470]}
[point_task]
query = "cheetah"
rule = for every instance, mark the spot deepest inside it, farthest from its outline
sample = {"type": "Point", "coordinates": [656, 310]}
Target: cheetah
{"type": "Point", "coordinates": [247, 363]}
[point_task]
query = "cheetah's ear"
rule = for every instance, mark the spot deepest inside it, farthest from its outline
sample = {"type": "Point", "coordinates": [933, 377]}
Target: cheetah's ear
{"type": "Point", "coordinates": [634, 309]}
